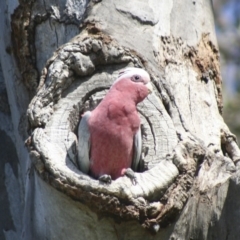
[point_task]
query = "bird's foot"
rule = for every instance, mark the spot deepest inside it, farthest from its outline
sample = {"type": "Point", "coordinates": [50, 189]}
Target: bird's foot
{"type": "Point", "coordinates": [105, 178]}
{"type": "Point", "coordinates": [130, 174]}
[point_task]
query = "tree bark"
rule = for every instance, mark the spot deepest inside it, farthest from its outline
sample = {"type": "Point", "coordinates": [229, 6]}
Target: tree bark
{"type": "Point", "coordinates": [57, 61]}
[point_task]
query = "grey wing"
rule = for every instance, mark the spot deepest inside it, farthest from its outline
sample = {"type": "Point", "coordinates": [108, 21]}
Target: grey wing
{"type": "Point", "coordinates": [137, 149]}
{"type": "Point", "coordinates": [84, 143]}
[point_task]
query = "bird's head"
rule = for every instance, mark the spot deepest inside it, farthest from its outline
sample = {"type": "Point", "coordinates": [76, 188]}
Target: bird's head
{"type": "Point", "coordinates": [134, 81]}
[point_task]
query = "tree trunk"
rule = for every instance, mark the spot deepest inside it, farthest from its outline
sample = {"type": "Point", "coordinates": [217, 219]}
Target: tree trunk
{"type": "Point", "coordinates": [57, 61]}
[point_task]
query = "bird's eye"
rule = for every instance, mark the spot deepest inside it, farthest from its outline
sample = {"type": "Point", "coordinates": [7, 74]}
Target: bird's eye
{"type": "Point", "coordinates": [136, 78]}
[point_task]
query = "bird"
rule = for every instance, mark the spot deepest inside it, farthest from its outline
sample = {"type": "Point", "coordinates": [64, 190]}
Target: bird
{"type": "Point", "coordinates": [110, 140]}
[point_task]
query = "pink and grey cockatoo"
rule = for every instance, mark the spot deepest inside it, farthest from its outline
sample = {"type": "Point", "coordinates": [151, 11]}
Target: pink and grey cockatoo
{"type": "Point", "coordinates": [110, 140]}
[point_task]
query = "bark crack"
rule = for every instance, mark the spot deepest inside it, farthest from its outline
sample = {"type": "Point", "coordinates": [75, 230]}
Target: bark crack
{"type": "Point", "coordinates": [190, 102]}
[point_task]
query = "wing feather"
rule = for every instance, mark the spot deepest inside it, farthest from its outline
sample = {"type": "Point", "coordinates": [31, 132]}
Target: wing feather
{"type": "Point", "coordinates": [137, 149]}
{"type": "Point", "coordinates": [84, 143]}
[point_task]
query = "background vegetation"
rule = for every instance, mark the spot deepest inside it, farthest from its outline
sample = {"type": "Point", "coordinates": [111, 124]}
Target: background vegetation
{"type": "Point", "coordinates": [227, 21]}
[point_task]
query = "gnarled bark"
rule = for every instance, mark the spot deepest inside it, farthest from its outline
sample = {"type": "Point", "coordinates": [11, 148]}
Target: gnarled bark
{"type": "Point", "coordinates": [189, 155]}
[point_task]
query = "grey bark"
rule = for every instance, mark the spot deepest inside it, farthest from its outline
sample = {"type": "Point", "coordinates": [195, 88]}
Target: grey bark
{"type": "Point", "coordinates": [57, 61]}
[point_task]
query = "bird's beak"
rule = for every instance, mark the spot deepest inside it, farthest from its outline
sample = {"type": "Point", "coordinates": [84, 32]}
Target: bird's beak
{"type": "Point", "coordinates": [149, 87]}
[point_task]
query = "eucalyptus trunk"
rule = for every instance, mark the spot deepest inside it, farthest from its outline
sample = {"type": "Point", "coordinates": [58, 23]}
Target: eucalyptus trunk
{"type": "Point", "coordinates": [58, 60]}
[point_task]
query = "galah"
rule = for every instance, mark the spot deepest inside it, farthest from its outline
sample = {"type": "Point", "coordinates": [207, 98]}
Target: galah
{"type": "Point", "coordinates": [110, 139]}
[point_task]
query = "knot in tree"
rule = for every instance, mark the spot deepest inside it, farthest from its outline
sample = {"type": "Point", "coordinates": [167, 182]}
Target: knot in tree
{"type": "Point", "coordinates": [178, 165]}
